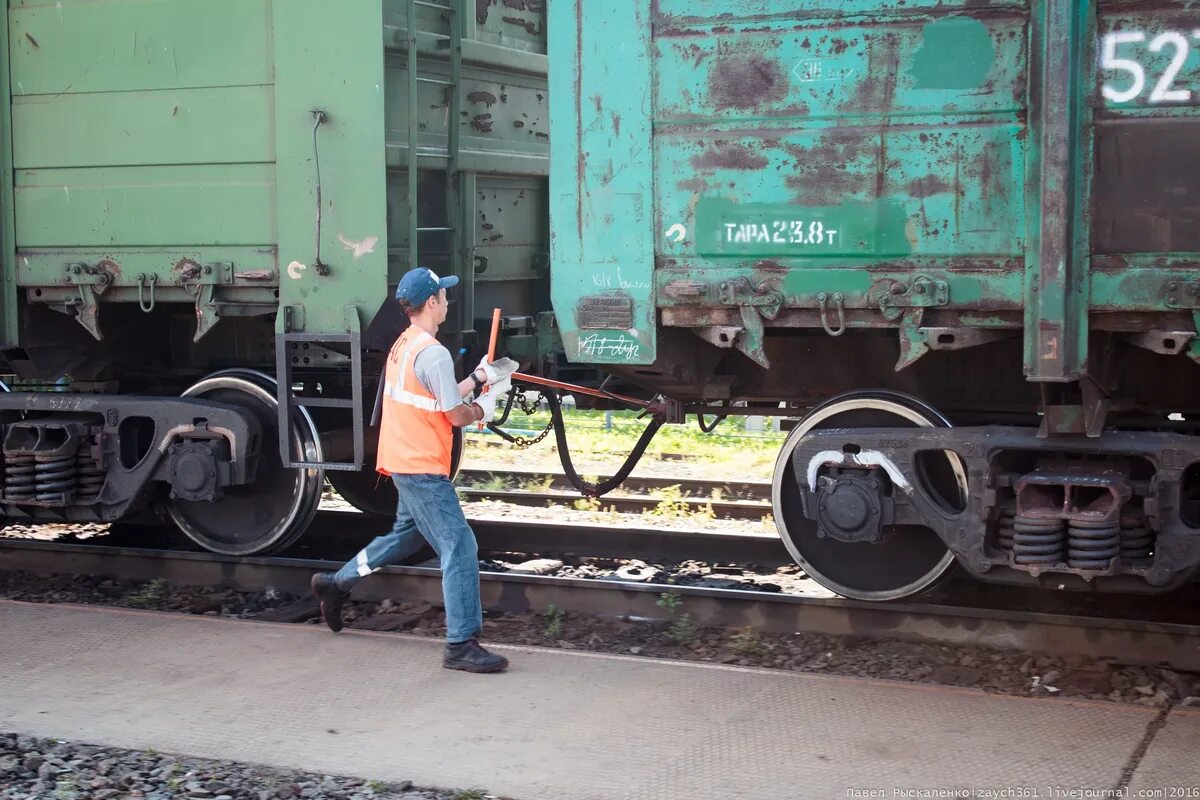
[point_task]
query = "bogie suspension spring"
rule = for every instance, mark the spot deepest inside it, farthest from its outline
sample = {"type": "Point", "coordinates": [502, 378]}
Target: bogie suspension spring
{"type": "Point", "coordinates": [1041, 542]}
{"type": "Point", "coordinates": [20, 479]}
{"type": "Point", "coordinates": [1093, 545]}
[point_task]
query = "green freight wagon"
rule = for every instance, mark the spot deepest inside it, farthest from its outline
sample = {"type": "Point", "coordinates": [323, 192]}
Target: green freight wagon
{"type": "Point", "coordinates": [202, 195]}
{"type": "Point", "coordinates": [884, 216]}
{"type": "Point", "coordinates": [898, 215]}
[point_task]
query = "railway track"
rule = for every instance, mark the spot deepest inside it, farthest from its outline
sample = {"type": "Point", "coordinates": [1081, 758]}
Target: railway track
{"type": "Point", "coordinates": [744, 500]}
{"type": "Point", "coordinates": [722, 509]}
{"type": "Point", "coordinates": [699, 488]}
{"type": "Point", "coordinates": [1101, 637]}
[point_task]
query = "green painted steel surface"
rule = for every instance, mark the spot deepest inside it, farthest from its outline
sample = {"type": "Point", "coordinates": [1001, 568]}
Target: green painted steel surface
{"type": "Point", "coordinates": [329, 151]}
{"type": "Point", "coordinates": [838, 153]}
{"type": "Point", "coordinates": [601, 179]}
{"type": "Point", "coordinates": [161, 137]}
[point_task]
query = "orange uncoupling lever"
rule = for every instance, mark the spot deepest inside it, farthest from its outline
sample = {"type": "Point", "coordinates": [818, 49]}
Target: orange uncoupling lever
{"type": "Point", "coordinates": [491, 354]}
{"type": "Point", "coordinates": [573, 389]}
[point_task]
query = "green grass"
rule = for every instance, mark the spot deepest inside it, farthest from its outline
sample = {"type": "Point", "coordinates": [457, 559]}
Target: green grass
{"type": "Point", "coordinates": [748, 455]}
{"type": "Point", "coordinates": [153, 594]}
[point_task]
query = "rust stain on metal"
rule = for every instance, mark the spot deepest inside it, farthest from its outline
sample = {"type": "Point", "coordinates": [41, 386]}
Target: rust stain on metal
{"type": "Point", "coordinates": [693, 185]}
{"type": "Point", "coordinates": [616, 121]}
{"type": "Point", "coordinates": [830, 170]}
{"type": "Point", "coordinates": [746, 82]}
{"type": "Point", "coordinates": [518, 124]}
{"type": "Point", "coordinates": [723, 155]}
{"type": "Point", "coordinates": [487, 98]}
{"type": "Point", "coordinates": [530, 27]}
{"type": "Point", "coordinates": [111, 267]}
{"type": "Point", "coordinates": [481, 10]}
{"type": "Point", "coordinates": [692, 52]}
{"type": "Point", "coordinates": [185, 270]}
{"type": "Point", "coordinates": [257, 275]}
{"type": "Point", "coordinates": [928, 186]}
{"type": "Point", "coordinates": [515, 5]}
{"type": "Point", "coordinates": [482, 123]}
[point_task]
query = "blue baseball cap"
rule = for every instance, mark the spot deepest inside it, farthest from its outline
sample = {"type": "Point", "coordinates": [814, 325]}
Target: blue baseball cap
{"type": "Point", "coordinates": [421, 283]}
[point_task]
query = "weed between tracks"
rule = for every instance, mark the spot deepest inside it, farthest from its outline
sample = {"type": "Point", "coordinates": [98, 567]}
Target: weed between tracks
{"type": "Point", "coordinates": [682, 629]}
{"type": "Point", "coordinates": [153, 595]}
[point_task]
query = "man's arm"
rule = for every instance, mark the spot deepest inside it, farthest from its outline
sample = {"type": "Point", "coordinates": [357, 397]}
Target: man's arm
{"type": "Point", "coordinates": [463, 415]}
{"type": "Point", "coordinates": [466, 387]}
{"type": "Point", "coordinates": [435, 371]}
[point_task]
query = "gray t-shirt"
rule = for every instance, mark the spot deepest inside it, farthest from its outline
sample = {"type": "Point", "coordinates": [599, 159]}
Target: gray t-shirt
{"type": "Point", "coordinates": [435, 370]}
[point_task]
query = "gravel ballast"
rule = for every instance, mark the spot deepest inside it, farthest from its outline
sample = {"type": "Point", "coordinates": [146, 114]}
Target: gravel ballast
{"type": "Point", "coordinates": [40, 769]}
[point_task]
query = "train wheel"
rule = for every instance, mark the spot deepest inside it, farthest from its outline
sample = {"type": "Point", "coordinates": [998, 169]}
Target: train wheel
{"type": "Point", "coordinates": [269, 514]}
{"type": "Point", "coordinates": [366, 490]}
{"type": "Point", "coordinates": [372, 493]}
{"type": "Point", "coordinates": [907, 559]}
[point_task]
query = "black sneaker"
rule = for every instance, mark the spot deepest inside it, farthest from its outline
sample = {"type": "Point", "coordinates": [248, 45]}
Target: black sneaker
{"type": "Point", "coordinates": [471, 657]}
{"type": "Point", "coordinates": [331, 598]}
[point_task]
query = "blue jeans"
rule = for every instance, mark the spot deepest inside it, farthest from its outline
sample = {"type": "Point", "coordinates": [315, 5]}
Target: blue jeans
{"type": "Point", "coordinates": [429, 507]}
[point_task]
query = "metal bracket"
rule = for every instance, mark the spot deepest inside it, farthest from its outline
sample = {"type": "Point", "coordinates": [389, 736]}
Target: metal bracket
{"type": "Point", "coordinates": [1165, 343]}
{"type": "Point", "coordinates": [81, 274]}
{"type": "Point", "coordinates": [1194, 348]}
{"type": "Point", "coordinates": [207, 311]}
{"type": "Point", "coordinates": [1183, 294]}
{"type": "Point", "coordinates": [754, 303]}
{"type": "Point", "coordinates": [913, 341]}
{"type": "Point", "coordinates": [218, 273]}
{"type": "Point", "coordinates": [88, 311]}
{"type": "Point", "coordinates": [723, 336]}
{"type": "Point", "coordinates": [962, 338]}
{"type": "Point", "coordinates": [740, 292]}
{"type": "Point", "coordinates": [893, 296]}
{"type": "Point", "coordinates": [1064, 417]}
{"type": "Point", "coordinates": [92, 281]}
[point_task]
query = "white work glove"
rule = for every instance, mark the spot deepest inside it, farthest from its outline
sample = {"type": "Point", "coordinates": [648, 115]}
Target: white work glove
{"type": "Point", "coordinates": [497, 370]}
{"type": "Point", "coordinates": [487, 400]}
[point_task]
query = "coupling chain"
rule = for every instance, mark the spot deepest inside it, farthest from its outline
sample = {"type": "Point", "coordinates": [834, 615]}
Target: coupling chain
{"type": "Point", "coordinates": [519, 399]}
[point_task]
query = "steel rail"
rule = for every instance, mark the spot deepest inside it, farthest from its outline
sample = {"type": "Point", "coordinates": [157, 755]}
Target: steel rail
{"type": "Point", "coordinates": [1120, 640]}
{"type": "Point", "coordinates": [724, 509]}
{"type": "Point", "coordinates": [340, 533]}
{"type": "Point", "coordinates": [699, 488]}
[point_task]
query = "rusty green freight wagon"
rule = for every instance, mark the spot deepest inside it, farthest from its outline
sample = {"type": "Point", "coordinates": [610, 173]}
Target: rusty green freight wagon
{"type": "Point", "coordinates": [903, 214]}
{"type": "Point", "coordinates": [199, 195]}
{"type": "Point", "coordinates": [885, 215]}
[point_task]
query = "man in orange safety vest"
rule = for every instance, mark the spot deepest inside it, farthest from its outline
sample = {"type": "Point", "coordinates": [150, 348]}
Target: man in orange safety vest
{"type": "Point", "coordinates": [422, 404]}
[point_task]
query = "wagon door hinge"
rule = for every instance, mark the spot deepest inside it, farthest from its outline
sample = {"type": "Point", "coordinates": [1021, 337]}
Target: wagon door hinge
{"type": "Point", "coordinates": [906, 305]}
{"type": "Point", "coordinates": [754, 303]}
{"type": "Point", "coordinates": [201, 282]}
{"type": "Point", "coordinates": [92, 281]}
{"type": "Point", "coordinates": [1184, 295]}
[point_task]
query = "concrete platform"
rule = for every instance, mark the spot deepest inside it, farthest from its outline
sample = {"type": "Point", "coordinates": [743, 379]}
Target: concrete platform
{"type": "Point", "coordinates": [560, 724]}
{"type": "Point", "coordinates": [1171, 767]}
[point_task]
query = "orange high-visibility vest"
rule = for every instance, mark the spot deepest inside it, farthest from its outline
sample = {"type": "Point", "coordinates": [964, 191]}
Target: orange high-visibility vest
{"type": "Point", "coordinates": [415, 437]}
